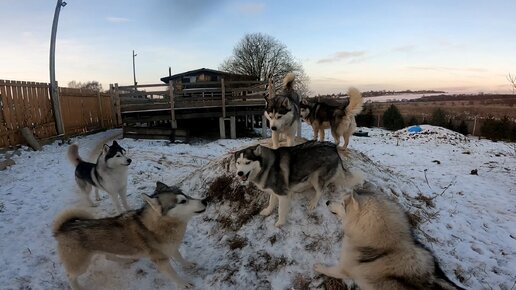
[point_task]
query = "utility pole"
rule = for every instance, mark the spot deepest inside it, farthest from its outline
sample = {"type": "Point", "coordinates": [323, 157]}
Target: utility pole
{"type": "Point", "coordinates": [54, 91]}
{"type": "Point", "coordinates": [134, 71]}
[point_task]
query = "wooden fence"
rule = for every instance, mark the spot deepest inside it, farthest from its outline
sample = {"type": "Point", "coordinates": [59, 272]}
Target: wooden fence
{"type": "Point", "coordinates": [28, 104]}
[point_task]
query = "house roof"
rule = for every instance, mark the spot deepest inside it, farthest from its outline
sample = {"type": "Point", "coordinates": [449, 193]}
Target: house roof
{"type": "Point", "coordinates": [198, 71]}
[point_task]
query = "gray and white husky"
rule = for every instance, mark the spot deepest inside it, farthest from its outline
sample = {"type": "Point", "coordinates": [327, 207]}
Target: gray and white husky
{"type": "Point", "coordinates": [379, 251]}
{"type": "Point", "coordinates": [286, 170]}
{"type": "Point", "coordinates": [108, 174]}
{"type": "Point", "coordinates": [323, 114]}
{"type": "Point", "coordinates": [155, 231]}
{"type": "Point", "coordinates": [282, 111]}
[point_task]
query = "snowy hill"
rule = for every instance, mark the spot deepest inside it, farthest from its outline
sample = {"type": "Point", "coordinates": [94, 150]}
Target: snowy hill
{"type": "Point", "coordinates": [469, 221]}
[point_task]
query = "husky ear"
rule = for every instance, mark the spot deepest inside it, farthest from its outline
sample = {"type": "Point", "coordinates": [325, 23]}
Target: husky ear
{"type": "Point", "coordinates": [105, 148]}
{"type": "Point", "coordinates": [160, 187]}
{"type": "Point", "coordinates": [258, 150]}
{"type": "Point", "coordinates": [354, 201]}
{"type": "Point", "coordinates": [286, 103]}
{"type": "Point", "coordinates": [152, 202]}
{"type": "Point", "coordinates": [115, 143]}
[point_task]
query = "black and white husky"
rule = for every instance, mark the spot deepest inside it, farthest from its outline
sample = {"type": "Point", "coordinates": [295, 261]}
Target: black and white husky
{"type": "Point", "coordinates": [282, 111]}
{"type": "Point", "coordinates": [286, 170]}
{"type": "Point", "coordinates": [108, 174]}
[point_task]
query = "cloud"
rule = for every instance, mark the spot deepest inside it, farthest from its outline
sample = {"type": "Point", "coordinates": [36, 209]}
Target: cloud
{"type": "Point", "coordinates": [352, 56]}
{"type": "Point", "coordinates": [444, 68]}
{"type": "Point", "coordinates": [117, 19]}
{"type": "Point", "coordinates": [251, 8]}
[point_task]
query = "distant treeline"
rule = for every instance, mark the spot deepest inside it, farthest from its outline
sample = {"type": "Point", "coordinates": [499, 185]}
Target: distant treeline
{"type": "Point", "coordinates": [384, 93]}
{"type": "Point", "coordinates": [464, 97]}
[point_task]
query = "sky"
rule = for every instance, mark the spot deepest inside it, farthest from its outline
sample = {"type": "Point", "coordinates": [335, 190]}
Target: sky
{"type": "Point", "coordinates": [451, 45]}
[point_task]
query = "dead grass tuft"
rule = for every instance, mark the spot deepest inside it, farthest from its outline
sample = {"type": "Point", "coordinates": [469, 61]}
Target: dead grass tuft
{"type": "Point", "coordinates": [428, 201]}
{"type": "Point", "coordinates": [262, 261]}
{"type": "Point", "coordinates": [334, 284]}
{"type": "Point", "coordinates": [301, 282]}
{"type": "Point", "coordinates": [414, 219]}
{"type": "Point", "coordinates": [237, 242]}
{"type": "Point", "coordinates": [245, 202]}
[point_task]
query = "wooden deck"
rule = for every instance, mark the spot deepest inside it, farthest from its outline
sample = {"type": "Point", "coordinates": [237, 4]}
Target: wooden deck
{"type": "Point", "coordinates": [145, 107]}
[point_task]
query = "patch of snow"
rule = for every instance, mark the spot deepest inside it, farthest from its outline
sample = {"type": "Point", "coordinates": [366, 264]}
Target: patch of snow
{"type": "Point", "coordinates": [469, 221]}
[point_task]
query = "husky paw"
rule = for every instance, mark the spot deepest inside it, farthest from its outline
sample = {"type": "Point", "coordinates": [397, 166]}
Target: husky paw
{"type": "Point", "coordinates": [185, 285]}
{"type": "Point", "coordinates": [320, 268]}
{"type": "Point", "coordinates": [312, 205]}
{"type": "Point", "coordinates": [98, 198]}
{"type": "Point", "coordinates": [189, 265]}
{"type": "Point", "coordinates": [266, 212]}
{"type": "Point", "coordinates": [279, 224]}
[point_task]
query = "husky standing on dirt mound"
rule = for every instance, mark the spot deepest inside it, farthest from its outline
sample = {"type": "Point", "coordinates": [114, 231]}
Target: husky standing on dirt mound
{"type": "Point", "coordinates": [322, 114]}
{"type": "Point", "coordinates": [379, 251]}
{"type": "Point", "coordinates": [283, 171]}
{"type": "Point", "coordinates": [282, 111]}
{"type": "Point", "coordinates": [108, 174]}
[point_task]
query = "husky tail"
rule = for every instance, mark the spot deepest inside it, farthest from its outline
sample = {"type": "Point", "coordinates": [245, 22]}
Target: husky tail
{"type": "Point", "coordinates": [350, 178]}
{"type": "Point", "coordinates": [288, 81]}
{"type": "Point", "coordinates": [355, 102]}
{"type": "Point", "coordinates": [73, 154]}
{"type": "Point", "coordinates": [69, 215]}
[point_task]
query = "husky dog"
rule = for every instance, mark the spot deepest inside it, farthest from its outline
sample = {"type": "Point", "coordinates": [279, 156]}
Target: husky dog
{"type": "Point", "coordinates": [155, 231]}
{"type": "Point", "coordinates": [379, 251]}
{"type": "Point", "coordinates": [280, 172]}
{"type": "Point", "coordinates": [108, 174]}
{"type": "Point", "coordinates": [324, 114]}
{"type": "Point", "coordinates": [282, 111]}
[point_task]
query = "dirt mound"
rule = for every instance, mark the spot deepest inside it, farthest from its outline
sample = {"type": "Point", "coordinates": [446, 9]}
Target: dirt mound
{"type": "Point", "coordinates": [430, 134]}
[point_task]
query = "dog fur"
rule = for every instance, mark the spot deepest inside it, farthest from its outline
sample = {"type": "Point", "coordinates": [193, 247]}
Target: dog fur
{"type": "Point", "coordinates": [379, 250]}
{"type": "Point", "coordinates": [108, 174]}
{"type": "Point", "coordinates": [281, 172]}
{"type": "Point", "coordinates": [323, 114]}
{"type": "Point", "coordinates": [155, 231]}
{"type": "Point", "coordinates": [282, 111]}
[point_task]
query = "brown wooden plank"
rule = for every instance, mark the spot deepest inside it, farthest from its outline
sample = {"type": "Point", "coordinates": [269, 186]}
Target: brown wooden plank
{"type": "Point", "coordinates": [4, 139]}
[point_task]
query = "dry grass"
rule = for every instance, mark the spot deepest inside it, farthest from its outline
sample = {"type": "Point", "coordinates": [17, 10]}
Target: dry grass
{"type": "Point", "coordinates": [262, 261]}
{"type": "Point", "coordinates": [301, 282]}
{"type": "Point", "coordinates": [334, 284]}
{"type": "Point", "coordinates": [245, 202]}
{"type": "Point", "coordinates": [237, 242]}
{"type": "Point", "coordinates": [428, 201]}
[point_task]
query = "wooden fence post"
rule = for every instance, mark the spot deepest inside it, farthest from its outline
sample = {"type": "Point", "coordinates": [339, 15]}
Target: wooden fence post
{"type": "Point", "coordinates": [223, 89]}
{"type": "Point", "coordinates": [474, 126]}
{"type": "Point", "coordinates": [173, 121]}
{"type": "Point", "coordinates": [117, 106]}
{"type": "Point", "coordinates": [113, 111]}
{"type": "Point", "coordinates": [101, 116]}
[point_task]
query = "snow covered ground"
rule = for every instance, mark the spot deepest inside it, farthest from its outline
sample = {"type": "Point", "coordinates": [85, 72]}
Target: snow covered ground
{"type": "Point", "coordinates": [469, 221]}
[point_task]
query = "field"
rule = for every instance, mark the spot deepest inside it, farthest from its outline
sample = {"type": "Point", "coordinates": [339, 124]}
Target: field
{"type": "Point", "coordinates": [469, 221]}
{"type": "Point", "coordinates": [458, 108]}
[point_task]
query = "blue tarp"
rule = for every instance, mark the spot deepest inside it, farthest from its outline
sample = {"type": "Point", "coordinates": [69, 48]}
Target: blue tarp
{"type": "Point", "coordinates": [414, 129]}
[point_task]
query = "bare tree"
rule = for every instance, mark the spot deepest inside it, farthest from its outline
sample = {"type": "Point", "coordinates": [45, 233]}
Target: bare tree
{"type": "Point", "coordinates": [91, 85]}
{"type": "Point", "coordinates": [264, 57]}
{"type": "Point", "coordinates": [512, 80]}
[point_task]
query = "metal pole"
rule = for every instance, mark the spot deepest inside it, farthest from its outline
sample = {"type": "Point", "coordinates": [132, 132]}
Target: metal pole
{"type": "Point", "coordinates": [134, 71]}
{"type": "Point", "coordinates": [54, 91]}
